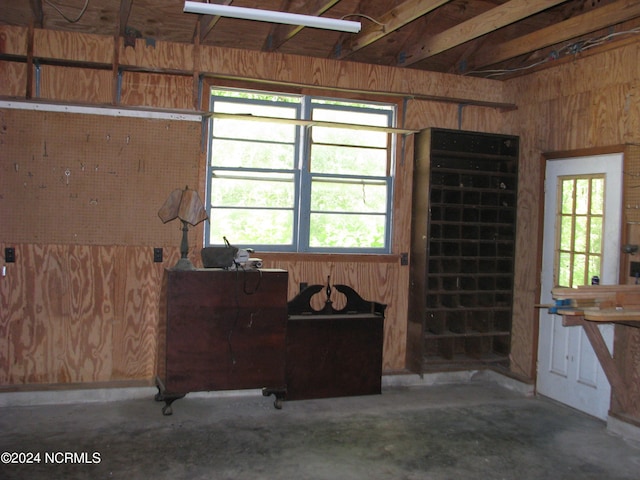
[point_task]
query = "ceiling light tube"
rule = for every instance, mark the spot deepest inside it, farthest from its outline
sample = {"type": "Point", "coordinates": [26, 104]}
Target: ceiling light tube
{"type": "Point", "coordinates": [272, 16]}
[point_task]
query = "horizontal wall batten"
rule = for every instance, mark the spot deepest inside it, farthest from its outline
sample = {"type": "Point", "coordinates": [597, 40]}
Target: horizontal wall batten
{"type": "Point", "coordinates": [309, 123]}
{"type": "Point", "coordinates": [106, 111]}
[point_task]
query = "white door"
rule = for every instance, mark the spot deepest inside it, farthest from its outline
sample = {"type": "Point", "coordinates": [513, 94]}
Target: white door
{"type": "Point", "coordinates": [582, 218]}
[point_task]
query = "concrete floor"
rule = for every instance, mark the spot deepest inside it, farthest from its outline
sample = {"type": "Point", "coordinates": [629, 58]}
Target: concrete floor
{"type": "Point", "coordinates": [476, 430]}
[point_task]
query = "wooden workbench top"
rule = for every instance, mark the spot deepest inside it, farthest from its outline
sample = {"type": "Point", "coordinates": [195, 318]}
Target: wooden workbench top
{"type": "Point", "coordinates": [601, 303]}
{"type": "Point", "coordinates": [595, 314]}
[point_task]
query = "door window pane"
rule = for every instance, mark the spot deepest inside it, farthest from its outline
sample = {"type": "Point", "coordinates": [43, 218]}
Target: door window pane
{"type": "Point", "coordinates": [581, 222]}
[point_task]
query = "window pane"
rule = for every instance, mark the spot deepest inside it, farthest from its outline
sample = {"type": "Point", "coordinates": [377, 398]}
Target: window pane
{"type": "Point", "coordinates": [251, 95]}
{"type": "Point", "coordinates": [581, 234]}
{"type": "Point", "coordinates": [348, 160]}
{"type": "Point", "coordinates": [579, 269]}
{"type": "Point", "coordinates": [259, 110]}
{"type": "Point", "coordinates": [232, 153]}
{"type": "Point", "coordinates": [567, 196]}
{"type": "Point", "coordinates": [254, 130]}
{"type": "Point", "coordinates": [337, 196]}
{"type": "Point", "coordinates": [594, 266]}
{"type": "Point", "coordinates": [252, 227]}
{"type": "Point", "coordinates": [251, 130]}
{"type": "Point", "coordinates": [582, 196]}
{"type": "Point", "coordinates": [597, 196]}
{"type": "Point", "coordinates": [564, 269]}
{"type": "Point", "coordinates": [566, 233]}
{"type": "Point", "coordinates": [347, 136]}
{"type": "Point", "coordinates": [233, 189]}
{"type": "Point", "coordinates": [351, 116]}
{"type": "Point", "coordinates": [595, 240]}
{"type": "Point", "coordinates": [346, 231]}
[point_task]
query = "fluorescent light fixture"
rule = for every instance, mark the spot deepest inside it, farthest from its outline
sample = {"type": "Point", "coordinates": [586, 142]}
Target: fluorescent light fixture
{"type": "Point", "coordinates": [272, 16]}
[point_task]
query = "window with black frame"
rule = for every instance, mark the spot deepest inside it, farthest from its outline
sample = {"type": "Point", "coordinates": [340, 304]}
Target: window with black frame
{"type": "Point", "coordinates": [299, 173]}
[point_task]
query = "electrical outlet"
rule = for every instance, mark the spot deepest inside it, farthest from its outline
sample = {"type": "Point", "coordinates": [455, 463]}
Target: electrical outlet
{"type": "Point", "coordinates": [404, 258]}
{"type": "Point", "coordinates": [157, 255]}
{"type": "Point", "coordinates": [10, 255]}
{"type": "Point", "coordinates": [634, 269]}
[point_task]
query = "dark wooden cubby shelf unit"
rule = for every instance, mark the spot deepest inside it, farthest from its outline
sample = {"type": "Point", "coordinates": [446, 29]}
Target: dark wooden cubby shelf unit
{"type": "Point", "coordinates": [463, 249]}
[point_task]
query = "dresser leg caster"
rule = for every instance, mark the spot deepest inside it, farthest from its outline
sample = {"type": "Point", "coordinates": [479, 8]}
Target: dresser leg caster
{"type": "Point", "coordinates": [168, 400]}
{"type": "Point", "coordinates": [279, 393]}
{"type": "Point", "coordinates": [161, 396]}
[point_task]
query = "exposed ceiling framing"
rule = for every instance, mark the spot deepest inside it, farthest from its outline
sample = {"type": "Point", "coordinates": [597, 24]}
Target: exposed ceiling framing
{"type": "Point", "coordinates": [487, 38]}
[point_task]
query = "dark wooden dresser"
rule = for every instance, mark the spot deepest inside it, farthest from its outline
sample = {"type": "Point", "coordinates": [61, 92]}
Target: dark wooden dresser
{"type": "Point", "coordinates": [334, 353]}
{"type": "Point", "coordinates": [221, 330]}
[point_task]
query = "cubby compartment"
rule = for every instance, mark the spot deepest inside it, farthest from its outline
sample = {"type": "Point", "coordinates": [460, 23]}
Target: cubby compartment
{"type": "Point", "coordinates": [437, 322]}
{"type": "Point", "coordinates": [456, 322]}
{"type": "Point", "coordinates": [468, 232]}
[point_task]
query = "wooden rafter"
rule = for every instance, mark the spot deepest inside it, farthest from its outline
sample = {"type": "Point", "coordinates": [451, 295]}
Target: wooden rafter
{"type": "Point", "coordinates": [281, 33]}
{"type": "Point", "coordinates": [123, 16]}
{"type": "Point", "coordinates": [574, 27]}
{"type": "Point", "coordinates": [491, 20]}
{"type": "Point", "coordinates": [207, 22]}
{"type": "Point", "coordinates": [392, 20]}
{"type": "Point", "coordinates": [38, 15]}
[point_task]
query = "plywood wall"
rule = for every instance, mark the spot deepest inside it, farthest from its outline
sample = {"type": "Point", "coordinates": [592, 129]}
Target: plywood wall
{"type": "Point", "coordinates": [80, 303]}
{"type": "Point", "coordinates": [79, 314]}
{"type": "Point", "coordinates": [588, 104]}
{"type": "Point", "coordinates": [627, 339]}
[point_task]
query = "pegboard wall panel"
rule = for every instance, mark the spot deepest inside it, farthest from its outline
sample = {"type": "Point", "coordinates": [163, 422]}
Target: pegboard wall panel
{"type": "Point", "coordinates": [632, 183]}
{"type": "Point", "coordinates": [75, 178]}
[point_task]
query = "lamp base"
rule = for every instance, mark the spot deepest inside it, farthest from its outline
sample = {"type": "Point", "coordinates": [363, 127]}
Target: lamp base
{"type": "Point", "coordinates": [184, 264]}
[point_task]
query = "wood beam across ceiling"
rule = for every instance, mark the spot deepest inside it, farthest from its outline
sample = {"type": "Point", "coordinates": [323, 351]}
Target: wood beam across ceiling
{"type": "Point", "coordinates": [498, 17]}
{"type": "Point", "coordinates": [574, 27]}
{"type": "Point", "coordinates": [207, 22]}
{"type": "Point", "coordinates": [389, 22]}
{"type": "Point", "coordinates": [279, 34]}
{"type": "Point", "coordinates": [38, 15]}
{"type": "Point", "coordinates": [123, 16]}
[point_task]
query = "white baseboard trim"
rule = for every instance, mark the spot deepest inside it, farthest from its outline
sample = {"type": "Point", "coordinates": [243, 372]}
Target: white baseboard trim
{"type": "Point", "coordinates": [66, 397]}
{"type": "Point", "coordinates": [457, 377]}
{"type": "Point", "coordinates": [63, 396]}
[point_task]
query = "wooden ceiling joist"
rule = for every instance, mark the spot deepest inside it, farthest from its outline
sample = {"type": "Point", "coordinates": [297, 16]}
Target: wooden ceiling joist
{"type": "Point", "coordinates": [392, 20]}
{"type": "Point", "coordinates": [281, 33]}
{"type": "Point", "coordinates": [36, 10]}
{"type": "Point", "coordinates": [487, 22]}
{"type": "Point", "coordinates": [580, 25]}
{"type": "Point", "coordinates": [206, 24]}
{"type": "Point", "coordinates": [123, 16]}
